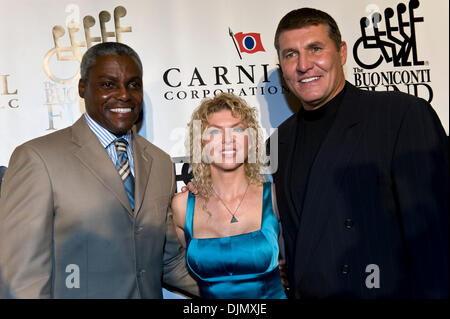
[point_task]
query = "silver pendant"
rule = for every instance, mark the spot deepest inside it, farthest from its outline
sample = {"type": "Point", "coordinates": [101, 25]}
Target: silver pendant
{"type": "Point", "coordinates": [233, 220]}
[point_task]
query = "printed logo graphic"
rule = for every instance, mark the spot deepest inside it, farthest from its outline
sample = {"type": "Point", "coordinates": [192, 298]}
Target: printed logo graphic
{"type": "Point", "coordinates": [196, 82]}
{"type": "Point", "coordinates": [73, 52]}
{"type": "Point", "coordinates": [396, 43]}
{"type": "Point", "coordinates": [246, 42]}
{"type": "Point", "coordinates": [61, 95]}
{"type": "Point", "coordinates": [8, 98]}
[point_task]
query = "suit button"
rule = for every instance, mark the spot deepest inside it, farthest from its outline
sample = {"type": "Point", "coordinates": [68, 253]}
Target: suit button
{"type": "Point", "coordinates": [348, 223]}
{"type": "Point", "coordinates": [138, 230]}
{"type": "Point", "coordinates": [141, 273]}
{"type": "Point", "coordinates": [345, 269]}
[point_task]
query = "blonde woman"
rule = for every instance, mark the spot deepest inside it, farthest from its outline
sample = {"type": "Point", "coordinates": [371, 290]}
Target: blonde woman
{"type": "Point", "coordinates": [230, 228]}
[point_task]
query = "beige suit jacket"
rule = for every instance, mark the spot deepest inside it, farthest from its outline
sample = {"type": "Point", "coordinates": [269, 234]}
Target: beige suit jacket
{"type": "Point", "coordinates": [67, 229]}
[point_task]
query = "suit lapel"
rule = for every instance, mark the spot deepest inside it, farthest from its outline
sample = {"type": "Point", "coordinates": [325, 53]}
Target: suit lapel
{"type": "Point", "coordinates": [95, 158]}
{"type": "Point", "coordinates": [326, 175]}
{"type": "Point", "coordinates": [142, 167]}
{"type": "Point", "coordinates": [287, 142]}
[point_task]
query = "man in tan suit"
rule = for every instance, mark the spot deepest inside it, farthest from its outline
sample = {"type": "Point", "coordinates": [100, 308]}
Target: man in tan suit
{"type": "Point", "coordinates": [70, 226]}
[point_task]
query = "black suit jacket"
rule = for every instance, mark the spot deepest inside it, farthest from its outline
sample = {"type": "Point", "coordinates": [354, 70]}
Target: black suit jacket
{"type": "Point", "coordinates": [375, 216]}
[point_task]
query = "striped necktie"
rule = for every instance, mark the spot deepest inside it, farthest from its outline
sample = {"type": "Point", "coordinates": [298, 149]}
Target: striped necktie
{"type": "Point", "coordinates": [123, 167]}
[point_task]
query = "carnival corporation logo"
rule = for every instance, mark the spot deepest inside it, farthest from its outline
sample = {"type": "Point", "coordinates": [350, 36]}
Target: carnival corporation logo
{"type": "Point", "coordinates": [395, 43]}
{"type": "Point", "coordinates": [61, 93]}
{"type": "Point", "coordinates": [244, 79]}
{"type": "Point", "coordinates": [246, 42]}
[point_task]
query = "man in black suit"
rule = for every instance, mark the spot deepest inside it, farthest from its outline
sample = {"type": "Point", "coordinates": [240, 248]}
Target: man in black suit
{"type": "Point", "coordinates": [363, 178]}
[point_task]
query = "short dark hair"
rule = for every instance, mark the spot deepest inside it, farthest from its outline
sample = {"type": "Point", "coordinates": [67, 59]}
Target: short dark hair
{"type": "Point", "coordinates": [106, 48]}
{"type": "Point", "coordinates": [304, 17]}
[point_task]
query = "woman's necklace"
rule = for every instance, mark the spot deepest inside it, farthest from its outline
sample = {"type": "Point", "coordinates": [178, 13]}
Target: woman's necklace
{"type": "Point", "coordinates": [233, 218]}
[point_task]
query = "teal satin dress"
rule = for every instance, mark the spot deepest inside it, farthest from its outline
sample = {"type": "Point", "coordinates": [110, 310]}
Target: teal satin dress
{"type": "Point", "coordinates": [243, 266]}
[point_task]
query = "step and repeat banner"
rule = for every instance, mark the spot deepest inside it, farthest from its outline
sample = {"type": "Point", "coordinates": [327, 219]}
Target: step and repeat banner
{"type": "Point", "coordinates": [197, 48]}
{"type": "Point", "coordinates": [193, 49]}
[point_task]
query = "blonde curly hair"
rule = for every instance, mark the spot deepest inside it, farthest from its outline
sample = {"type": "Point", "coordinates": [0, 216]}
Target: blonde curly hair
{"type": "Point", "coordinates": [248, 115]}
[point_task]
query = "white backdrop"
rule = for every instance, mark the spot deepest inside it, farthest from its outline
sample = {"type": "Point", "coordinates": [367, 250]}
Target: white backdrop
{"type": "Point", "coordinates": [189, 41]}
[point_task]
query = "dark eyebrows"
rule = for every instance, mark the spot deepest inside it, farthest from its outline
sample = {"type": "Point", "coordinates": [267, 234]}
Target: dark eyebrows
{"type": "Point", "coordinates": [136, 78]}
{"type": "Point", "coordinates": [315, 44]}
{"type": "Point", "coordinates": [287, 50]}
{"type": "Point", "coordinates": [308, 46]}
{"type": "Point", "coordinates": [107, 77]}
{"type": "Point", "coordinates": [113, 78]}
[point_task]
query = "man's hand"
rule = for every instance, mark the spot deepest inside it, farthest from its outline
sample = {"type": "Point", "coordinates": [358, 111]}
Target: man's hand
{"type": "Point", "coordinates": [191, 187]}
{"type": "Point", "coordinates": [283, 273]}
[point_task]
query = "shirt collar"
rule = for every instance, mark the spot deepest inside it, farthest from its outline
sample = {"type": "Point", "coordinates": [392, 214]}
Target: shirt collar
{"type": "Point", "coordinates": [104, 136]}
{"type": "Point", "coordinates": [328, 110]}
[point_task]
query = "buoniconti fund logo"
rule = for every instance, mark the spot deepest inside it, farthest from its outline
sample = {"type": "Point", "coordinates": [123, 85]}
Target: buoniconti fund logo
{"type": "Point", "coordinates": [389, 39]}
{"type": "Point", "coordinates": [61, 91]}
